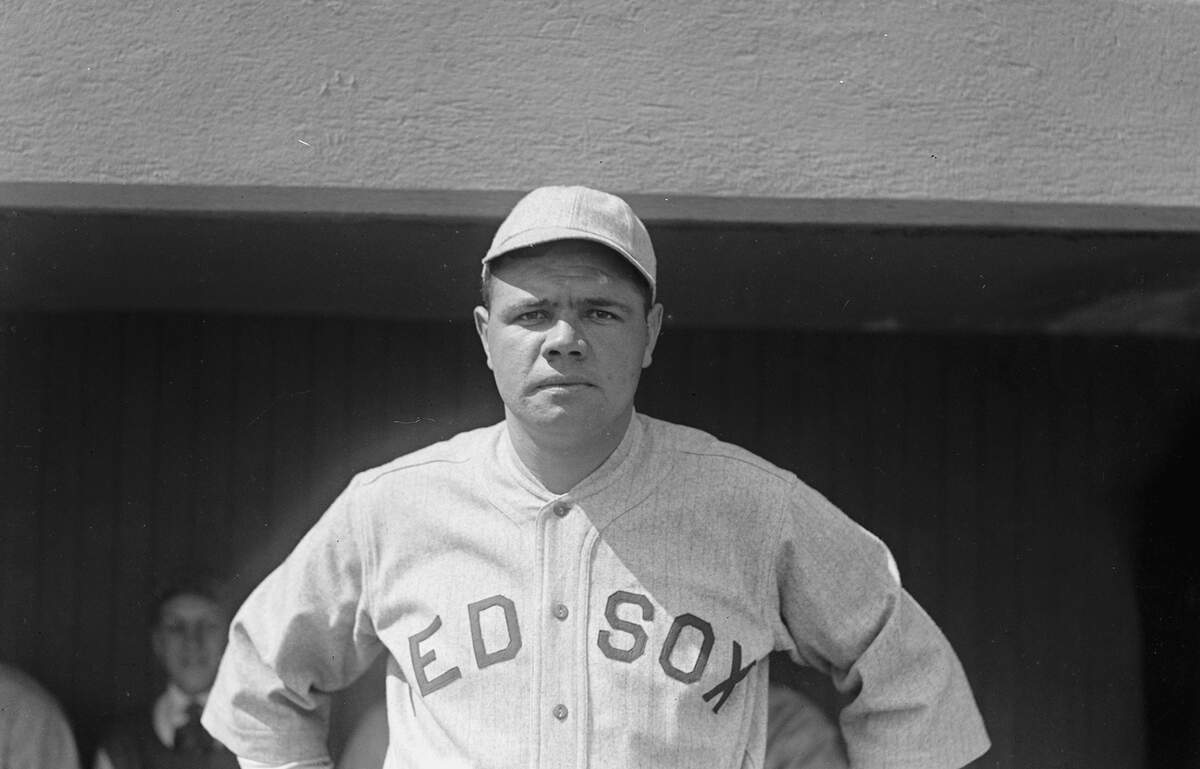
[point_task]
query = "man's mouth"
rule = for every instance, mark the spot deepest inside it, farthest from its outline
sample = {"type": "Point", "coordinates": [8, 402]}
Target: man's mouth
{"type": "Point", "coordinates": [565, 382]}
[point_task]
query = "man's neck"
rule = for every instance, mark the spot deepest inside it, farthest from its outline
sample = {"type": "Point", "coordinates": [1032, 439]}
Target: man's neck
{"type": "Point", "coordinates": [561, 463]}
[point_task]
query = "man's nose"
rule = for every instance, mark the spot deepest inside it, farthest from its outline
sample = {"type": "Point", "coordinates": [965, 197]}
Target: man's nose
{"type": "Point", "coordinates": [564, 340]}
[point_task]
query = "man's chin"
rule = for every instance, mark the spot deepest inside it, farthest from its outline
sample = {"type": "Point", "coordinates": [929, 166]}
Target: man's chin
{"type": "Point", "coordinates": [563, 419]}
{"type": "Point", "coordinates": [554, 403]}
{"type": "Point", "coordinates": [194, 684]}
{"type": "Point", "coordinates": [566, 420]}
{"type": "Point", "coordinates": [559, 413]}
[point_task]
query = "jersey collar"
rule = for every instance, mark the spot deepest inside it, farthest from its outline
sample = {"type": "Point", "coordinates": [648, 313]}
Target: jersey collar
{"type": "Point", "coordinates": [608, 492]}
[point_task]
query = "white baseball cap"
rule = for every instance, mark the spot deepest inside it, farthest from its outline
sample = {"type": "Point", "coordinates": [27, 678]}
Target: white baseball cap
{"type": "Point", "coordinates": [565, 213]}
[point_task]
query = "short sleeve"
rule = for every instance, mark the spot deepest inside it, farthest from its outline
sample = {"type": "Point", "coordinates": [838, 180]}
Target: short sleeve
{"type": "Point", "coordinates": [303, 633]}
{"type": "Point", "coordinates": [845, 612]}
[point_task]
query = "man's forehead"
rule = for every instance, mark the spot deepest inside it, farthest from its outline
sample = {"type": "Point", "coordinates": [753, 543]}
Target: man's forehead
{"type": "Point", "coordinates": [188, 606]}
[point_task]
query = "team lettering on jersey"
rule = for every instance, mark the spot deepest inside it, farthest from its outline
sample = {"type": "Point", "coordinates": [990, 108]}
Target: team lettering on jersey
{"type": "Point", "coordinates": [631, 648]}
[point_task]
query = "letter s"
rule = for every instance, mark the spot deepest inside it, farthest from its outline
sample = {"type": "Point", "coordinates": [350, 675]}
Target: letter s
{"type": "Point", "coordinates": [633, 629]}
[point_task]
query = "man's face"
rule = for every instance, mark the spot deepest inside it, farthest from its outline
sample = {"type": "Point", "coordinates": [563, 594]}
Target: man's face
{"type": "Point", "coordinates": [189, 641]}
{"type": "Point", "coordinates": [567, 336]}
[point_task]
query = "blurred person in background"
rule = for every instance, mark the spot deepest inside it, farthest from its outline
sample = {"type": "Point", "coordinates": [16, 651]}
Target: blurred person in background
{"type": "Point", "coordinates": [189, 628]}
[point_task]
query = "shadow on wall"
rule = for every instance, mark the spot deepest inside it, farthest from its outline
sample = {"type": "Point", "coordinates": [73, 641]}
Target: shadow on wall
{"type": "Point", "coordinates": [1168, 585]}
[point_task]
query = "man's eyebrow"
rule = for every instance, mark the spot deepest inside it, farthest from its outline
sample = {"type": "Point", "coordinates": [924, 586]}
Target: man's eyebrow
{"type": "Point", "coordinates": [604, 301]}
{"type": "Point", "coordinates": [531, 303]}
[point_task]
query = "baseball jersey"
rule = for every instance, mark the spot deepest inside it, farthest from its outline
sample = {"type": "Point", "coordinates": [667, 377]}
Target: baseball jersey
{"type": "Point", "coordinates": [624, 623]}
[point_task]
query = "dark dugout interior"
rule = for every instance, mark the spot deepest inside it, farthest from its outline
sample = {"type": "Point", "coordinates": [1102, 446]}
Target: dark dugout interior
{"type": "Point", "coordinates": [1009, 400]}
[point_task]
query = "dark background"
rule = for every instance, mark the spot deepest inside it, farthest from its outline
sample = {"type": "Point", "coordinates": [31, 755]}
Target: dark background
{"type": "Point", "coordinates": [1011, 410]}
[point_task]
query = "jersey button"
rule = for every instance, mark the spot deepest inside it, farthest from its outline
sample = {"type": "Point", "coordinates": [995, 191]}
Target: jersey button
{"type": "Point", "coordinates": [561, 611]}
{"type": "Point", "coordinates": [560, 712]}
{"type": "Point", "coordinates": [561, 509]}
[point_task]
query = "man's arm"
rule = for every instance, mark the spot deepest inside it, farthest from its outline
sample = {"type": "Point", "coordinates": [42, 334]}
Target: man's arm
{"type": "Point", "coordinates": [845, 612]}
{"type": "Point", "coordinates": [303, 633]}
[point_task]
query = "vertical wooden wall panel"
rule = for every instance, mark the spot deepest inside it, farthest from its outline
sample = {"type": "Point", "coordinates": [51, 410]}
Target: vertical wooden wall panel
{"type": "Point", "coordinates": [921, 467]}
{"type": "Point", "coordinates": [736, 362]}
{"type": "Point", "coordinates": [213, 411]}
{"type": "Point", "coordinates": [882, 451]}
{"type": "Point", "coordinates": [848, 443]}
{"type": "Point", "coordinates": [22, 372]}
{"type": "Point", "coordinates": [1064, 653]}
{"type": "Point", "coordinates": [963, 541]}
{"type": "Point", "coordinates": [367, 395]}
{"type": "Point", "coordinates": [1038, 553]}
{"type": "Point", "coordinates": [289, 419]}
{"type": "Point", "coordinates": [996, 502]}
{"type": "Point", "coordinates": [96, 522]}
{"type": "Point", "coordinates": [258, 547]}
{"type": "Point", "coordinates": [134, 569]}
{"type": "Point", "coordinates": [57, 632]}
{"type": "Point", "coordinates": [414, 395]}
{"type": "Point", "coordinates": [782, 419]}
{"type": "Point", "coordinates": [331, 435]}
{"type": "Point", "coordinates": [809, 387]}
{"type": "Point", "coordinates": [173, 523]}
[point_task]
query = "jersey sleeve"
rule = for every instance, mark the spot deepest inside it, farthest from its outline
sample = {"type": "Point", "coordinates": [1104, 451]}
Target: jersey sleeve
{"type": "Point", "coordinates": [303, 633]}
{"type": "Point", "coordinates": [844, 611]}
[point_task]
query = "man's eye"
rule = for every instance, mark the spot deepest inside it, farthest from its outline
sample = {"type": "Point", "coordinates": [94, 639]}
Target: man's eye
{"type": "Point", "coordinates": [604, 315]}
{"type": "Point", "coordinates": [532, 316]}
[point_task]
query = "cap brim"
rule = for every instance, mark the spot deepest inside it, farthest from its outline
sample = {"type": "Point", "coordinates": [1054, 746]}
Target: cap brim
{"type": "Point", "coordinates": [537, 236]}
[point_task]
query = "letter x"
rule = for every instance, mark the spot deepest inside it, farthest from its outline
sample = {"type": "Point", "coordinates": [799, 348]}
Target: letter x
{"type": "Point", "coordinates": [736, 674]}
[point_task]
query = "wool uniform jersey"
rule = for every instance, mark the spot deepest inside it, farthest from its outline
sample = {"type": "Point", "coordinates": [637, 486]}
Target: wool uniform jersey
{"type": "Point", "coordinates": [625, 623]}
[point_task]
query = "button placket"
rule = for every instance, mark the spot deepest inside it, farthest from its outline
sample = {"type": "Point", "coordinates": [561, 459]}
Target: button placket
{"type": "Point", "coordinates": [564, 529]}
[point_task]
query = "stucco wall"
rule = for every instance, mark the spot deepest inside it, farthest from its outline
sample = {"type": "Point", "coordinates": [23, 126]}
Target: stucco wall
{"type": "Point", "coordinates": [1030, 100]}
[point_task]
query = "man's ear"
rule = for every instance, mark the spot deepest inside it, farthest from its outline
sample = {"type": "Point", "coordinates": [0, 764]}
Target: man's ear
{"type": "Point", "coordinates": [653, 327]}
{"type": "Point", "coordinates": [481, 322]}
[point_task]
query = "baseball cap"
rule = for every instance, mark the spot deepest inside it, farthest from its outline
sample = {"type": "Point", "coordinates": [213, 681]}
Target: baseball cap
{"type": "Point", "coordinates": [564, 213]}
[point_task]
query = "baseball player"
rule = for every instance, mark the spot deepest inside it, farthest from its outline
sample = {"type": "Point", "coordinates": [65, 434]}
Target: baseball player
{"type": "Point", "coordinates": [583, 585]}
